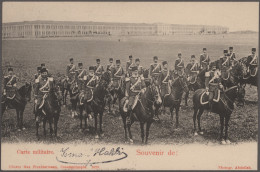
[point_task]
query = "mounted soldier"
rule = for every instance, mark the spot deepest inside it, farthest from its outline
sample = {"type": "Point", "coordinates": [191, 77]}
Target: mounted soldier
{"type": "Point", "coordinates": [204, 60]}
{"type": "Point", "coordinates": [139, 67]}
{"type": "Point", "coordinates": [252, 63]}
{"type": "Point", "coordinates": [38, 72]}
{"type": "Point", "coordinates": [71, 71]}
{"type": "Point", "coordinates": [43, 85]}
{"type": "Point", "coordinates": [117, 75]}
{"type": "Point", "coordinates": [155, 69]}
{"type": "Point", "coordinates": [232, 56]}
{"type": "Point", "coordinates": [134, 86]}
{"type": "Point", "coordinates": [80, 73]}
{"type": "Point", "coordinates": [213, 85]}
{"type": "Point", "coordinates": [192, 70]}
{"type": "Point", "coordinates": [90, 82]}
{"type": "Point", "coordinates": [129, 65]}
{"type": "Point", "coordinates": [179, 66]}
{"type": "Point", "coordinates": [10, 86]}
{"type": "Point", "coordinates": [225, 65]}
{"type": "Point", "coordinates": [99, 69]}
{"type": "Point", "coordinates": [165, 80]}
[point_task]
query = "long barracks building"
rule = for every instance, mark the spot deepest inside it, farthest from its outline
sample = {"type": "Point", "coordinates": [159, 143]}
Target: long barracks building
{"type": "Point", "coordinates": [42, 29]}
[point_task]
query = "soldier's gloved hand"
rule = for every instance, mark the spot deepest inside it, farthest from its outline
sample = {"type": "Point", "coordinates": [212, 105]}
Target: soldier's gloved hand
{"type": "Point", "coordinates": [4, 93]}
{"type": "Point", "coordinates": [35, 101]}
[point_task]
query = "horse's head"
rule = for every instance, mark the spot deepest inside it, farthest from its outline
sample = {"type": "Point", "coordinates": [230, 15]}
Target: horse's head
{"type": "Point", "coordinates": [146, 73]}
{"type": "Point", "coordinates": [155, 92]}
{"type": "Point", "coordinates": [182, 83]}
{"type": "Point", "coordinates": [106, 77]}
{"type": "Point", "coordinates": [27, 91]}
{"type": "Point", "coordinates": [241, 94]}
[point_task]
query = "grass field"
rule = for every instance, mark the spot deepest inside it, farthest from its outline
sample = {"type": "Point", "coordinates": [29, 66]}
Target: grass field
{"type": "Point", "coordinates": [26, 55]}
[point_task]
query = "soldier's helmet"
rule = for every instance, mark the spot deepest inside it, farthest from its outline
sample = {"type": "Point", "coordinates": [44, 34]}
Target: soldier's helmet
{"type": "Point", "coordinates": [254, 49]}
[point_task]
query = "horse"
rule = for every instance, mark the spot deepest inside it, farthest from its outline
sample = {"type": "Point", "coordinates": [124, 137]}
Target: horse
{"type": "Point", "coordinates": [50, 111]}
{"type": "Point", "coordinates": [173, 99]}
{"type": "Point", "coordinates": [194, 85]}
{"type": "Point", "coordinates": [224, 107]}
{"type": "Point", "coordinates": [97, 104]}
{"type": "Point", "coordinates": [18, 102]}
{"type": "Point", "coordinates": [248, 78]}
{"type": "Point", "coordinates": [142, 112]}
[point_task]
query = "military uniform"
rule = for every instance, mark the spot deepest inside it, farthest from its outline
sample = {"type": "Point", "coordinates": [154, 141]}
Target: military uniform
{"type": "Point", "coordinates": [224, 65]}
{"type": "Point", "coordinates": [80, 73]}
{"type": "Point", "coordinates": [42, 88]}
{"type": "Point", "coordinates": [204, 61]}
{"type": "Point", "coordinates": [164, 81]}
{"type": "Point", "coordinates": [133, 87]}
{"type": "Point", "coordinates": [232, 57]}
{"type": "Point", "coordinates": [140, 70]}
{"type": "Point", "coordinates": [213, 84]}
{"type": "Point", "coordinates": [129, 65]}
{"type": "Point", "coordinates": [252, 64]}
{"type": "Point", "coordinates": [99, 70]}
{"type": "Point", "coordinates": [192, 70]}
{"type": "Point", "coordinates": [155, 70]}
{"type": "Point", "coordinates": [71, 72]}
{"type": "Point", "coordinates": [90, 82]}
{"type": "Point", "coordinates": [10, 86]}
{"type": "Point", "coordinates": [117, 75]}
{"type": "Point", "coordinates": [179, 66]}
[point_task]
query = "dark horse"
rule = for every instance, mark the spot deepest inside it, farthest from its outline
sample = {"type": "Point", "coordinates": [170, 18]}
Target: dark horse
{"type": "Point", "coordinates": [199, 82]}
{"type": "Point", "coordinates": [22, 96]}
{"type": "Point", "coordinates": [50, 111]}
{"type": "Point", "coordinates": [142, 112]}
{"type": "Point", "coordinates": [248, 77]}
{"type": "Point", "coordinates": [173, 100]}
{"type": "Point", "coordinates": [224, 107]}
{"type": "Point", "coordinates": [97, 105]}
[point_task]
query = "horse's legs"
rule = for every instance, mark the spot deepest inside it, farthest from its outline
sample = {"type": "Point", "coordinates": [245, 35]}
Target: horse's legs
{"type": "Point", "coordinates": [186, 98]}
{"type": "Point", "coordinates": [21, 120]}
{"type": "Point", "coordinates": [56, 119]}
{"type": "Point", "coordinates": [44, 127]}
{"type": "Point", "coordinates": [124, 122]}
{"type": "Point", "coordinates": [227, 117]}
{"type": "Point", "coordinates": [50, 124]}
{"type": "Point", "coordinates": [80, 116]}
{"type": "Point", "coordinates": [3, 108]}
{"type": "Point", "coordinates": [18, 119]}
{"type": "Point", "coordinates": [100, 123]}
{"type": "Point", "coordinates": [37, 129]}
{"type": "Point", "coordinates": [65, 97]}
{"type": "Point", "coordinates": [96, 133]}
{"type": "Point", "coordinates": [129, 132]}
{"type": "Point", "coordinates": [177, 116]}
{"type": "Point", "coordinates": [194, 120]}
{"type": "Point", "coordinates": [142, 131]}
{"type": "Point", "coordinates": [198, 118]}
{"type": "Point", "coordinates": [171, 111]}
{"type": "Point", "coordinates": [221, 126]}
{"type": "Point", "coordinates": [148, 124]}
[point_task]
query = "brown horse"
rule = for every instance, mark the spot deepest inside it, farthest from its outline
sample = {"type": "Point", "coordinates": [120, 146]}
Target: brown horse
{"type": "Point", "coordinates": [142, 112]}
{"type": "Point", "coordinates": [50, 112]}
{"type": "Point", "coordinates": [18, 102]}
{"type": "Point", "coordinates": [224, 107]}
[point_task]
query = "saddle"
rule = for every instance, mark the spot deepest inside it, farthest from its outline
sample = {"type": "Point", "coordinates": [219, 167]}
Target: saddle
{"type": "Point", "coordinates": [10, 94]}
{"type": "Point", "coordinates": [204, 98]}
{"type": "Point", "coordinates": [225, 74]}
{"type": "Point", "coordinates": [126, 103]}
{"type": "Point", "coordinates": [88, 95]}
{"type": "Point", "coordinates": [42, 101]}
{"type": "Point", "coordinates": [253, 70]}
{"type": "Point", "coordinates": [193, 79]}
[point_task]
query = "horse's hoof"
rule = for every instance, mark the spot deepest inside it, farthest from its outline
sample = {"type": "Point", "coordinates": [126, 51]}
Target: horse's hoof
{"type": "Point", "coordinates": [19, 129]}
{"type": "Point", "coordinates": [195, 133]}
{"type": "Point", "coordinates": [131, 141]}
{"type": "Point", "coordinates": [223, 142]}
{"type": "Point", "coordinates": [228, 141]}
{"type": "Point", "coordinates": [96, 137]}
{"type": "Point", "coordinates": [201, 132]}
{"type": "Point", "coordinates": [23, 128]}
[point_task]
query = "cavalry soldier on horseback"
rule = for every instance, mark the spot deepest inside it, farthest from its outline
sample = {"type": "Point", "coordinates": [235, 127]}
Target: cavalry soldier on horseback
{"type": "Point", "coordinates": [225, 64]}
{"type": "Point", "coordinates": [129, 65]}
{"type": "Point", "coordinates": [90, 82]}
{"type": "Point", "coordinates": [165, 79]}
{"type": "Point", "coordinates": [179, 66]}
{"type": "Point", "coordinates": [71, 71]}
{"type": "Point", "coordinates": [38, 72]}
{"type": "Point", "coordinates": [99, 70]}
{"type": "Point", "coordinates": [117, 75]}
{"type": "Point", "coordinates": [10, 87]}
{"type": "Point", "coordinates": [232, 56]}
{"type": "Point", "coordinates": [134, 86]}
{"type": "Point", "coordinates": [139, 67]}
{"type": "Point", "coordinates": [192, 69]}
{"type": "Point", "coordinates": [80, 73]}
{"type": "Point", "coordinates": [43, 85]}
{"type": "Point", "coordinates": [155, 69]}
{"type": "Point", "coordinates": [252, 63]}
{"type": "Point", "coordinates": [213, 85]}
{"type": "Point", "coordinates": [111, 65]}
{"type": "Point", "coordinates": [204, 60]}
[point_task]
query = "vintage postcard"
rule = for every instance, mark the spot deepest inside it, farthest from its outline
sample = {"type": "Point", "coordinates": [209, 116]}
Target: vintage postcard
{"type": "Point", "coordinates": [129, 85]}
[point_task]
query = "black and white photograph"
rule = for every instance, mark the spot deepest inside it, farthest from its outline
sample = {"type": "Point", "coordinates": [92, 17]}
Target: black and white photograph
{"type": "Point", "coordinates": [129, 85]}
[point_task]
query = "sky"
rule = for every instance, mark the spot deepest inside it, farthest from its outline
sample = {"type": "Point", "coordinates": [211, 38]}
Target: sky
{"type": "Point", "coordinates": [235, 15]}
